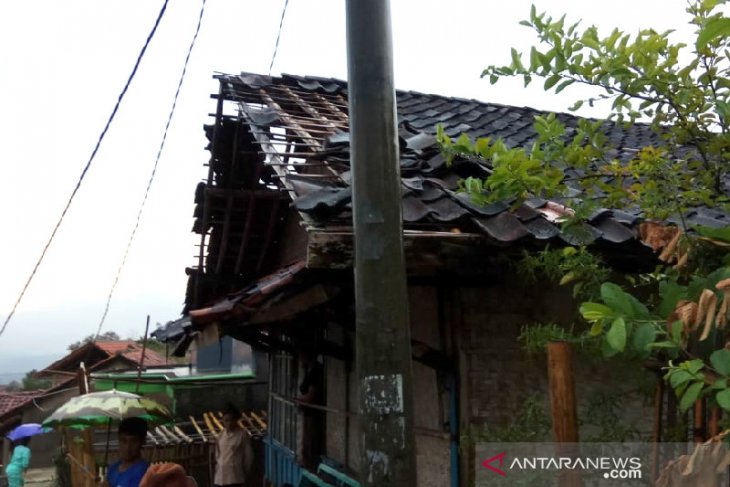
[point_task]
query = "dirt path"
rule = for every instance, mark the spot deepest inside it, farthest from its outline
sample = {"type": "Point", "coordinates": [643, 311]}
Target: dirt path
{"type": "Point", "coordinates": [40, 477]}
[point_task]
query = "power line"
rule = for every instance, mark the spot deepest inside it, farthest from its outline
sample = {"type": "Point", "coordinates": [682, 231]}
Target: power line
{"type": "Point", "coordinates": [86, 168]}
{"type": "Point", "coordinates": [278, 36]}
{"type": "Point", "coordinates": [152, 176]}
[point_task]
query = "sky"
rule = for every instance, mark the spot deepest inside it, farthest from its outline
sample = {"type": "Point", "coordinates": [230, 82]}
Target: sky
{"type": "Point", "coordinates": [62, 66]}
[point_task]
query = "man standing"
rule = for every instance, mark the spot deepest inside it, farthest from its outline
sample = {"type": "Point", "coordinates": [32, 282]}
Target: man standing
{"type": "Point", "coordinates": [233, 452]}
{"type": "Point", "coordinates": [131, 467]}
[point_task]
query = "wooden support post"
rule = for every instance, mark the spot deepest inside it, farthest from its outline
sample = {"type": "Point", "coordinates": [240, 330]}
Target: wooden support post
{"type": "Point", "coordinates": [714, 420]}
{"type": "Point", "coordinates": [699, 431]}
{"type": "Point", "coordinates": [563, 405]}
{"type": "Point", "coordinates": [82, 380]}
{"type": "Point", "coordinates": [657, 436]}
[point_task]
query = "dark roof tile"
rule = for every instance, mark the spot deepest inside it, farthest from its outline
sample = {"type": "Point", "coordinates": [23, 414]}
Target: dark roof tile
{"type": "Point", "coordinates": [447, 210]}
{"type": "Point", "coordinates": [415, 210]}
{"type": "Point", "coordinates": [504, 227]}
{"type": "Point", "coordinates": [542, 229]}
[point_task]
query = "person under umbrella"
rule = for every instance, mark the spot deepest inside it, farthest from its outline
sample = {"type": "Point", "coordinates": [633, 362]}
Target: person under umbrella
{"type": "Point", "coordinates": [131, 467]}
{"type": "Point", "coordinates": [19, 462]}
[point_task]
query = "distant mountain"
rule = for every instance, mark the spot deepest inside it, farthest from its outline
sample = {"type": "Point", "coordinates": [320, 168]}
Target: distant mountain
{"type": "Point", "coordinates": [14, 367]}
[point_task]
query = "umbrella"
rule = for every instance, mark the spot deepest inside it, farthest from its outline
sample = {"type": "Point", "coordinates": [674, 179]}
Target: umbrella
{"type": "Point", "coordinates": [25, 431]}
{"type": "Point", "coordinates": [104, 408]}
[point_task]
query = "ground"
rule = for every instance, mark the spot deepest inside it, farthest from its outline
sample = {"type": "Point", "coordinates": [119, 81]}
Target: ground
{"type": "Point", "coordinates": [40, 477]}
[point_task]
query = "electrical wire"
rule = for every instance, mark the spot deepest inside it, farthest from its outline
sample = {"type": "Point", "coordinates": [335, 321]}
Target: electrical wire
{"type": "Point", "coordinates": [278, 36]}
{"type": "Point", "coordinates": [86, 168]}
{"type": "Point", "coordinates": [152, 175]}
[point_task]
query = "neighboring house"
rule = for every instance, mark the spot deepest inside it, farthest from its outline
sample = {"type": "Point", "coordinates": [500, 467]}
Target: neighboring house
{"type": "Point", "coordinates": [275, 265]}
{"type": "Point", "coordinates": [35, 406]}
{"type": "Point", "coordinates": [98, 356]}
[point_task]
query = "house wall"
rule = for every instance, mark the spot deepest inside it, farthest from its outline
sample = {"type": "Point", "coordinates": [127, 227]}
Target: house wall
{"type": "Point", "coordinates": [495, 375]}
{"type": "Point", "coordinates": [432, 444]}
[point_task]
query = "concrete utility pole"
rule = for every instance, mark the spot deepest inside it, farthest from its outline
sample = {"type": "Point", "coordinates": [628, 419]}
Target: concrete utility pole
{"type": "Point", "coordinates": [383, 350]}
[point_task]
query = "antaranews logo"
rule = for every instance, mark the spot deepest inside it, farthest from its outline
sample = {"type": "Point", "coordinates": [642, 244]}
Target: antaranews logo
{"type": "Point", "coordinates": [618, 468]}
{"type": "Point", "coordinates": [488, 464]}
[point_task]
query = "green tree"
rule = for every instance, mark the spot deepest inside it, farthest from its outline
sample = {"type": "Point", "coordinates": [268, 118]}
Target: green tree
{"type": "Point", "coordinates": [109, 336]}
{"type": "Point", "coordinates": [32, 382]}
{"type": "Point", "coordinates": [687, 106]}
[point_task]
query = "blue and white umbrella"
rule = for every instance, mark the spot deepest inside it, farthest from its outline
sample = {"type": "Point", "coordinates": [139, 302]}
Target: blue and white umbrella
{"type": "Point", "coordinates": [26, 431]}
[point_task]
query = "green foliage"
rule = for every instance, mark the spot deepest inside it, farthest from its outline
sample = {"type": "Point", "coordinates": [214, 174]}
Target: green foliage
{"type": "Point", "coordinates": [687, 104]}
{"type": "Point", "coordinates": [534, 338]}
{"type": "Point", "coordinates": [685, 99]}
{"type": "Point", "coordinates": [32, 382]}
{"type": "Point", "coordinates": [569, 265]}
{"type": "Point", "coordinates": [643, 77]}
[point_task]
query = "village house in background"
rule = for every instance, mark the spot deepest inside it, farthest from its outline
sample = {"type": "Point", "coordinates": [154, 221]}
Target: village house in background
{"type": "Point", "coordinates": [62, 384]}
{"type": "Point", "coordinates": [275, 269]}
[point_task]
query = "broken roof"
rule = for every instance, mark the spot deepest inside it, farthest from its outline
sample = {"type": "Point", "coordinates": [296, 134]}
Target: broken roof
{"type": "Point", "coordinates": [301, 124]}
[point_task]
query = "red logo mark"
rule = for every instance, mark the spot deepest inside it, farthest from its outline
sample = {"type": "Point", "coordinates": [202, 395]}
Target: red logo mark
{"type": "Point", "coordinates": [500, 457]}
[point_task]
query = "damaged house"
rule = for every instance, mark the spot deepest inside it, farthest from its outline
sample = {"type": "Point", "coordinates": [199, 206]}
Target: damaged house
{"type": "Point", "coordinates": [275, 267]}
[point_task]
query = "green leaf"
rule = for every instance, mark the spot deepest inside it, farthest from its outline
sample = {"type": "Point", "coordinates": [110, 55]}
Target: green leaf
{"type": "Point", "coordinates": [576, 105]}
{"type": "Point", "coordinates": [534, 59]}
{"type": "Point", "coordinates": [644, 336]}
{"type": "Point", "coordinates": [714, 28]}
{"type": "Point", "coordinates": [691, 395]}
{"type": "Point", "coordinates": [677, 328]}
{"type": "Point", "coordinates": [616, 336]}
{"type": "Point", "coordinates": [720, 360]}
{"type": "Point", "coordinates": [550, 82]}
{"type": "Point", "coordinates": [671, 293]}
{"type": "Point", "coordinates": [596, 329]}
{"type": "Point", "coordinates": [722, 233]}
{"type": "Point", "coordinates": [693, 366]}
{"type": "Point", "coordinates": [563, 85]}
{"type": "Point", "coordinates": [516, 61]}
{"type": "Point", "coordinates": [622, 302]}
{"type": "Point", "coordinates": [723, 399]}
{"type": "Point", "coordinates": [679, 377]}
{"type": "Point", "coordinates": [595, 311]}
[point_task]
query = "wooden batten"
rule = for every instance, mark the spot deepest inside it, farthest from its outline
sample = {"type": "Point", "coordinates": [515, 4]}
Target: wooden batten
{"type": "Point", "coordinates": [425, 252]}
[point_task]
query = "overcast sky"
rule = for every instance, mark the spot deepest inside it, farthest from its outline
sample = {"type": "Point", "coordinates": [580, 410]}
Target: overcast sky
{"type": "Point", "coordinates": [62, 66]}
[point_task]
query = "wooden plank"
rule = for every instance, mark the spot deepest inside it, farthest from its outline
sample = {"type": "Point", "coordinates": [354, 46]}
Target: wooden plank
{"type": "Point", "coordinates": [246, 235]}
{"type": "Point", "coordinates": [197, 427]}
{"type": "Point", "coordinates": [290, 307]}
{"type": "Point", "coordinates": [270, 228]}
{"type": "Point", "coordinates": [224, 238]}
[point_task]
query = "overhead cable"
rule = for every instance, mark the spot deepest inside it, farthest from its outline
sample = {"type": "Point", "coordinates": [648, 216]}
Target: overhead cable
{"type": "Point", "coordinates": [278, 36]}
{"type": "Point", "coordinates": [86, 168]}
{"type": "Point", "coordinates": [152, 175]}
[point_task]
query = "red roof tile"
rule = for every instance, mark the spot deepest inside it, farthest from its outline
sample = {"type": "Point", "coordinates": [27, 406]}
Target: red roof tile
{"type": "Point", "coordinates": [150, 357]}
{"type": "Point", "coordinates": [13, 400]}
{"type": "Point", "coordinates": [114, 347]}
